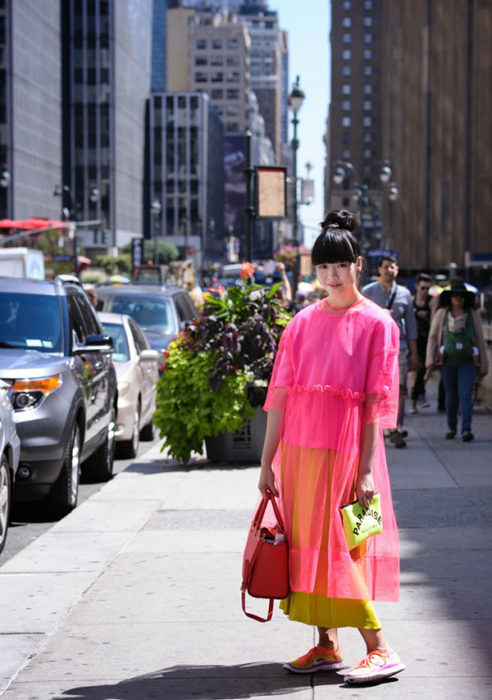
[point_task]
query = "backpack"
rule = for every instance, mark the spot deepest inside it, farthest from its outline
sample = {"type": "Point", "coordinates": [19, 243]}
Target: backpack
{"type": "Point", "coordinates": [458, 347]}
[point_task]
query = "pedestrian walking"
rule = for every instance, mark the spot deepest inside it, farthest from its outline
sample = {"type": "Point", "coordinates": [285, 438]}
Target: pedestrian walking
{"type": "Point", "coordinates": [333, 388]}
{"type": "Point", "coordinates": [421, 306]}
{"type": "Point", "coordinates": [397, 301]}
{"type": "Point", "coordinates": [456, 345]}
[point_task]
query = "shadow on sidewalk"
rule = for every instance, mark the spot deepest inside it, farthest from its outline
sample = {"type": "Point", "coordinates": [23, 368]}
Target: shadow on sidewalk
{"type": "Point", "coordinates": [211, 682]}
{"type": "Point", "coordinates": [158, 466]}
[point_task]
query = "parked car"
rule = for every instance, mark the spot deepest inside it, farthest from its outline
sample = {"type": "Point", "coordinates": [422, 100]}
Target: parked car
{"type": "Point", "coordinates": [137, 371]}
{"type": "Point", "coordinates": [161, 312]}
{"type": "Point", "coordinates": [9, 460]}
{"type": "Point", "coordinates": [62, 386]}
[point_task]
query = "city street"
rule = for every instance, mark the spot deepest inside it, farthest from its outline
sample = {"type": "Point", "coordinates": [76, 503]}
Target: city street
{"type": "Point", "coordinates": [136, 593]}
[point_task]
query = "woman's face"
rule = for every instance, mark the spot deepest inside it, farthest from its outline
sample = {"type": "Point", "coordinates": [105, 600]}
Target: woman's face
{"type": "Point", "coordinates": [338, 278]}
{"type": "Point", "coordinates": [457, 301]}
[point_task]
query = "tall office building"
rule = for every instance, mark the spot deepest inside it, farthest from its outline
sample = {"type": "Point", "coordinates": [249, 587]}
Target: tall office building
{"type": "Point", "coordinates": [437, 104]}
{"type": "Point", "coordinates": [30, 108]}
{"type": "Point", "coordinates": [355, 121]}
{"type": "Point", "coordinates": [187, 174]}
{"type": "Point", "coordinates": [106, 84]}
{"type": "Point", "coordinates": [158, 79]}
{"type": "Point", "coordinates": [266, 65]}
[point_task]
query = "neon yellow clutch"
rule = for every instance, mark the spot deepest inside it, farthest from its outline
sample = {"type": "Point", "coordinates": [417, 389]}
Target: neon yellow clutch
{"type": "Point", "coordinates": [360, 522]}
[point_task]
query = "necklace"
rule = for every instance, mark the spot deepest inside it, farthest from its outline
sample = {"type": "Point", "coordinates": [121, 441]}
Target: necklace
{"type": "Point", "coordinates": [341, 308]}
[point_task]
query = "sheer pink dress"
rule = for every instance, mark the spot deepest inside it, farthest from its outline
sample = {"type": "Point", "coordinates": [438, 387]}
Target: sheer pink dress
{"type": "Point", "coordinates": [334, 373]}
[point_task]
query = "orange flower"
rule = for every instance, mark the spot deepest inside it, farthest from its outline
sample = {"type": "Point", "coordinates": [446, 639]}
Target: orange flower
{"type": "Point", "coordinates": [247, 270]}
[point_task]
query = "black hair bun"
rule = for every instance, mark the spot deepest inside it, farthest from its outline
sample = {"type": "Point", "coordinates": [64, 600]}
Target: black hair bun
{"type": "Point", "coordinates": [340, 218]}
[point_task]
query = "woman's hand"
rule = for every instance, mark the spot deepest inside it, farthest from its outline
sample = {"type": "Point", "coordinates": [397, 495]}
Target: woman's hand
{"type": "Point", "coordinates": [365, 489]}
{"type": "Point", "coordinates": [267, 481]}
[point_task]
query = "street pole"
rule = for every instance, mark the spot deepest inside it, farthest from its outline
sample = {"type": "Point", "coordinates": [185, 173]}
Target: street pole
{"type": "Point", "coordinates": [295, 146]}
{"type": "Point", "coordinates": [250, 210]}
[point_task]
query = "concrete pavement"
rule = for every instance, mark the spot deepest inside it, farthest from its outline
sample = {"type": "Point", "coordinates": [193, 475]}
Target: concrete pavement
{"type": "Point", "coordinates": [136, 593]}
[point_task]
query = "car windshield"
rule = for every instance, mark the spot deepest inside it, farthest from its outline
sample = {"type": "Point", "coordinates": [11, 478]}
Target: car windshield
{"type": "Point", "coordinates": [30, 322]}
{"type": "Point", "coordinates": [121, 351]}
{"type": "Point", "coordinates": [151, 313]}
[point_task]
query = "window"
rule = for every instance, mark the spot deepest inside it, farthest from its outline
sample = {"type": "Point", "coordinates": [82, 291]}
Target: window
{"type": "Point", "coordinates": [345, 89]}
{"type": "Point", "coordinates": [200, 77]}
{"type": "Point", "coordinates": [367, 121]}
{"type": "Point", "coordinates": [232, 60]}
{"type": "Point", "coordinates": [346, 153]}
{"type": "Point", "coordinates": [232, 127]}
{"type": "Point", "coordinates": [368, 38]}
{"type": "Point", "coordinates": [367, 70]}
{"type": "Point", "coordinates": [367, 54]}
{"type": "Point", "coordinates": [232, 94]}
{"type": "Point", "coordinates": [347, 4]}
{"type": "Point", "coordinates": [201, 61]}
{"type": "Point", "coordinates": [367, 21]}
{"type": "Point", "coordinates": [367, 4]}
{"type": "Point", "coordinates": [217, 94]}
{"type": "Point", "coordinates": [346, 22]}
{"type": "Point", "coordinates": [232, 43]}
{"type": "Point", "coordinates": [233, 77]}
{"type": "Point", "coordinates": [346, 105]}
{"type": "Point", "coordinates": [216, 60]}
{"type": "Point", "coordinates": [346, 71]}
{"type": "Point", "coordinates": [217, 44]}
{"type": "Point", "coordinates": [232, 110]}
{"type": "Point", "coordinates": [201, 44]}
{"type": "Point", "coordinates": [367, 137]}
{"type": "Point", "coordinates": [367, 105]}
{"type": "Point", "coordinates": [367, 153]}
{"type": "Point", "coordinates": [367, 89]}
{"type": "Point", "coordinates": [217, 77]}
{"type": "Point", "coordinates": [345, 137]}
{"type": "Point", "coordinates": [346, 54]}
{"type": "Point", "coordinates": [346, 38]}
{"type": "Point", "coordinates": [346, 121]}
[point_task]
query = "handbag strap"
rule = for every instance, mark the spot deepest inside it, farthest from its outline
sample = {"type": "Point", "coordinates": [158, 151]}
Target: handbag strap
{"type": "Point", "coordinates": [260, 512]}
{"type": "Point", "coordinates": [252, 615]}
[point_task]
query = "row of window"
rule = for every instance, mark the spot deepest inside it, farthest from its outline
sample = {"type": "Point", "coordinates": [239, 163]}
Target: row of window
{"type": "Point", "coordinates": [367, 54]}
{"type": "Point", "coordinates": [367, 154]}
{"type": "Point", "coordinates": [230, 94]}
{"type": "Point", "coordinates": [347, 5]}
{"type": "Point", "coordinates": [367, 137]}
{"type": "Point", "coordinates": [347, 89]}
{"type": "Point", "coordinates": [347, 22]}
{"type": "Point", "coordinates": [347, 38]}
{"type": "Point", "coordinates": [217, 60]}
{"type": "Point", "coordinates": [347, 121]}
{"type": "Point", "coordinates": [217, 44]}
{"type": "Point", "coordinates": [218, 77]}
{"type": "Point", "coordinates": [347, 106]}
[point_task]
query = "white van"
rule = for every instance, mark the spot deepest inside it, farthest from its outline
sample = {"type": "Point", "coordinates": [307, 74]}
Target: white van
{"type": "Point", "coordinates": [21, 262]}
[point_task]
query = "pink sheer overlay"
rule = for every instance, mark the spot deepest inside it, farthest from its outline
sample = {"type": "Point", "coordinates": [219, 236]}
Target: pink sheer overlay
{"type": "Point", "coordinates": [333, 374]}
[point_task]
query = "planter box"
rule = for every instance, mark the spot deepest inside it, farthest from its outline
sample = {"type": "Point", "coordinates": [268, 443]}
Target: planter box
{"type": "Point", "coordinates": [245, 445]}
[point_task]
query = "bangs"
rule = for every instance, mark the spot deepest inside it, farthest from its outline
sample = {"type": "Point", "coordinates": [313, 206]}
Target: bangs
{"type": "Point", "coordinates": [334, 246]}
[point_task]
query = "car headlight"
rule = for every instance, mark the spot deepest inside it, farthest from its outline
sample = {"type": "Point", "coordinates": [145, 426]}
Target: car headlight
{"type": "Point", "coordinates": [28, 393]}
{"type": "Point", "coordinates": [123, 388]}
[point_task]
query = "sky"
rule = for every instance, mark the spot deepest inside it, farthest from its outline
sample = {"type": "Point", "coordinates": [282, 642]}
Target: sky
{"type": "Point", "coordinates": [308, 25]}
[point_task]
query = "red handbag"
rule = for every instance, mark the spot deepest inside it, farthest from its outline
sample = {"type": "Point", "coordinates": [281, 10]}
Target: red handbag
{"type": "Point", "coordinates": [265, 560]}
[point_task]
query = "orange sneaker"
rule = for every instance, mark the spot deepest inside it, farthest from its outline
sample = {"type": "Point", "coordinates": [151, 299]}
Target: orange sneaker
{"type": "Point", "coordinates": [316, 659]}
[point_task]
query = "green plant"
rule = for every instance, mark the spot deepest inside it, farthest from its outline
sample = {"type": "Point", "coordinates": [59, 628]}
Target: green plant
{"type": "Point", "coordinates": [217, 372]}
{"type": "Point", "coordinates": [166, 251]}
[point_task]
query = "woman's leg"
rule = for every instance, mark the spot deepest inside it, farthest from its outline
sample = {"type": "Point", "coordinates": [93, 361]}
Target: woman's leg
{"type": "Point", "coordinates": [450, 380]}
{"type": "Point", "coordinates": [466, 379]}
{"type": "Point", "coordinates": [328, 637]}
{"type": "Point", "coordinates": [374, 639]}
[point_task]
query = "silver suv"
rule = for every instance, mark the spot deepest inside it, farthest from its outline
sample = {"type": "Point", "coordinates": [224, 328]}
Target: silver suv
{"type": "Point", "coordinates": [62, 386]}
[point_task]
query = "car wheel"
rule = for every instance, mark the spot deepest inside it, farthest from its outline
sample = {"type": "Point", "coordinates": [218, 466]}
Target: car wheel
{"type": "Point", "coordinates": [129, 448]}
{"type": "Point", "coordinates": [100, 465]}
{"type": "Point", "coordinates": [5, 499]}
{"type": "Point", "coordinates": [147, 432]}
{"type": "Point", "coordinates": [65, 491]}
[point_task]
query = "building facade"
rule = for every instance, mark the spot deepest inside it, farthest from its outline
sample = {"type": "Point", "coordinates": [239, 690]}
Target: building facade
{"type": "Point", "coordinates": [437, 106]}
{"type": "Point", "coordinates": [355, 116]}
{"type": "Point", "coordinates": [106, 84]}
{"type": "Point", "coordinates": [30, 108]}
{"type": "Point", "coordinates": [186, 146]}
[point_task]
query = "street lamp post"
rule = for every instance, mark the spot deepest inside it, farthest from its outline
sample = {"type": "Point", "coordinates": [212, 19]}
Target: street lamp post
{"type": "Point", "coordinates": [346, 170]}
{"type": "Point", "coordinates": [155, 210]}
{"type": "Point", "coordinates": [296, 99]}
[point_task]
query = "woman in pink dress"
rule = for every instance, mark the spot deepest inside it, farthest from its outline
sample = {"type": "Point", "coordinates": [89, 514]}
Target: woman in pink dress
{"type": "Point", "coordinates": [333, 389]}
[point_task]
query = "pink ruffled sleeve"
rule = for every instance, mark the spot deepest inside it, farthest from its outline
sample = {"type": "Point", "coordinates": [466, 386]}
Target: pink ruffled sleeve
{"type": "Point", "coordinates": [382, 380]}
{"type": "Point", "coordinates": [282, 375]}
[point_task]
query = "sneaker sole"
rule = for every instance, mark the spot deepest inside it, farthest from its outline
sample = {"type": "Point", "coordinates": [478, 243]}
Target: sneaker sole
{"type": "Point", "coordinates": [320, 666]}
{"type": "Point", "coordinates": [377, 676]}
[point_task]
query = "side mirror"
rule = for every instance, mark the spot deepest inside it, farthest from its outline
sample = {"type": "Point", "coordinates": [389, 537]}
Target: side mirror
{"type": "Point", "coordinates": [149, 356]}
{"type": "Point", "coordinates": [95, 342]}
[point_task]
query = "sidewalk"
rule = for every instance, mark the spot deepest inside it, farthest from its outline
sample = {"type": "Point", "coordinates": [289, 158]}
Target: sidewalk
{"type": "Point", "coordinates": [136, 593]}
